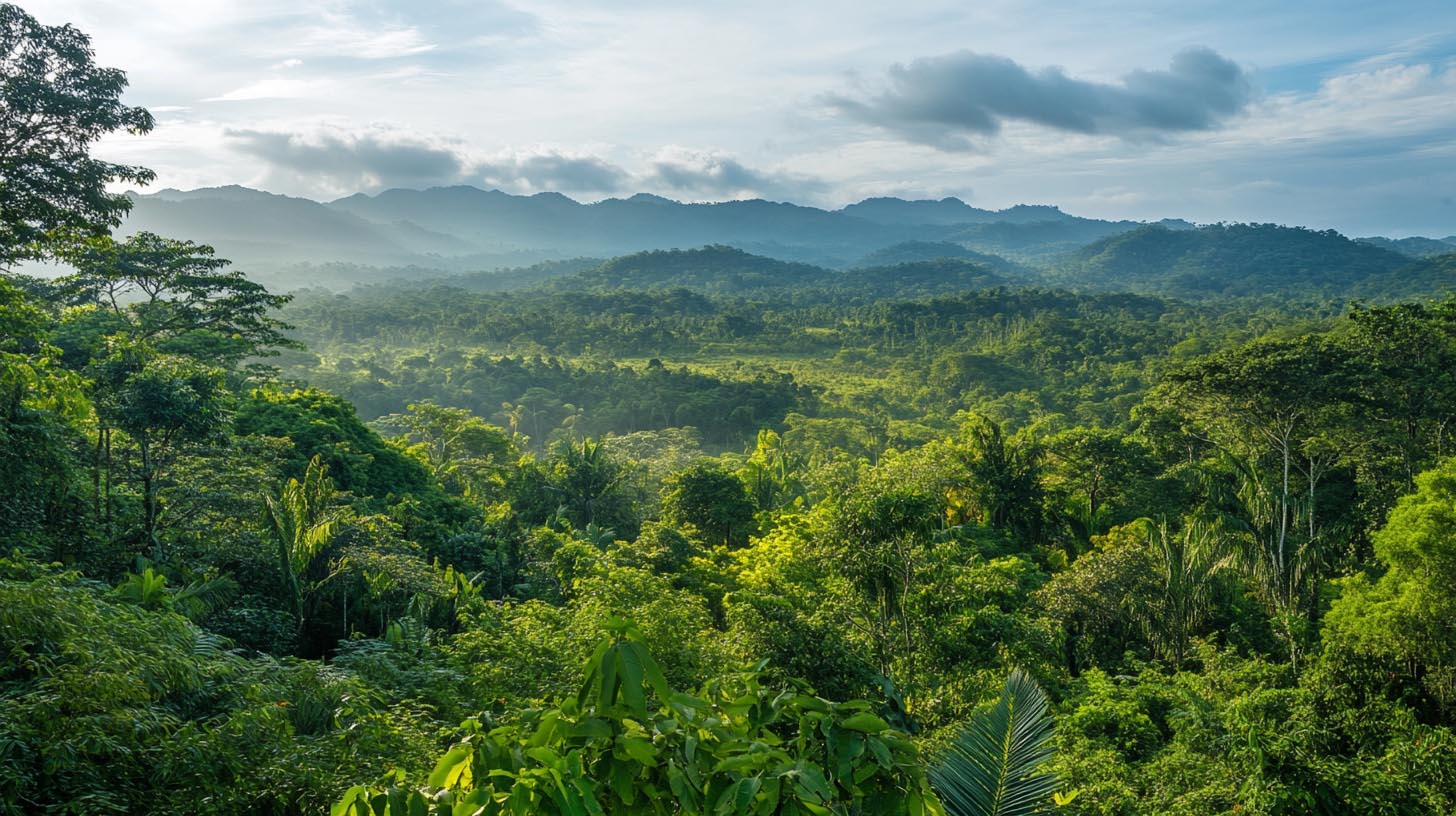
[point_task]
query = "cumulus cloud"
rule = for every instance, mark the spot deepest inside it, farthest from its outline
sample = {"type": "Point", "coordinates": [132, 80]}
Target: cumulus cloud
{"type": "Point", "coordinates": [714, 175]}
{"type": "Point", "coordinates": [552, 171]}
{"type": "Point", "coordinates": [356, 161]}
{"type": "Point", "coordinates": [946, 101]}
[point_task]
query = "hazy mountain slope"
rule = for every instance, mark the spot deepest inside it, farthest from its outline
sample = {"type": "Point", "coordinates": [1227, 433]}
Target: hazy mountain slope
{"type": "Point", "coordinates": [1037, 242]}
{"type": "Point", "coordinates": [243, 222]}
{"type": "Point", "coordinates": [498, 221]}
{"type": "Point", "coordinates": [724, 270]}
{"type": "Point", "coordinates": [947, 212]}
{"type": "Point", "coordinates": [1415, 247]}
{"type": "Point", "coordinates": [289, 243]}
{"type": "Point", "coordinates": [1235, 259]}
{"type": "Point", "coordinates": [907, 252]}
{"type": "Point", "coordinates": [1434, 276]}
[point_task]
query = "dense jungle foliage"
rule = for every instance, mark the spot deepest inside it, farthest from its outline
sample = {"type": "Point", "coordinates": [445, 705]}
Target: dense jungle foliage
{"type": "Point", "coordinates": [651, 538]}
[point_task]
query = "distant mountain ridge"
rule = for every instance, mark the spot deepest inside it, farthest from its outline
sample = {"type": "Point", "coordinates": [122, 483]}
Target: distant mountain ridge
{"type": "Point", "coordinates": [288, 242]}
{"type": "Point", "coordinates": [948, 211]}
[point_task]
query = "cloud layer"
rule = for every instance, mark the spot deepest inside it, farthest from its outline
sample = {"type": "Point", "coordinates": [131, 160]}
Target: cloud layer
{"type": "Point", "coordinates": [552, 171]}
{"type": "Point", "coordinates": [946, 101]}
{"type": "Point", "coordinates": [714, 175]}
{"type": "Point", "coordinates": [340, 160]}
{"type": "Point", "coordinates": [355, 161]}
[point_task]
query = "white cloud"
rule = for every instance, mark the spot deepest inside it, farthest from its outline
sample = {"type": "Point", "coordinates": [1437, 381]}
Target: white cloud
{"type": "Point", "coordinates": [275, 89]}
{"type": "Point", "coordinates": [341, 36]}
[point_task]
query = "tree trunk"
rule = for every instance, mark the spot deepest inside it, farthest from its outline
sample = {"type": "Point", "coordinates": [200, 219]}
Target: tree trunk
{"type": "Point", "coordinates": [149, 498]}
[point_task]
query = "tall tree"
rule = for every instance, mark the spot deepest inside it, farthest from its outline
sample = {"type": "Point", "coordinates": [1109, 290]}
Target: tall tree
{"type": "Point", "coordinates": [55, 102]}
{"type": "Point", "coordinates": [1274, 412]}
{"type": "Point", "coordinates": [1003, 478]}
{"type": "Point", "coordinates": [178, 296]}
{"type": "Point", "coordinates": [1093, 469]}
{"type": "Point", "coordinates": [162, 403]}
{"type": "Point", "coordinates": [1408, 385]}
{"type": "Point", "coordinates": [1188, 564]}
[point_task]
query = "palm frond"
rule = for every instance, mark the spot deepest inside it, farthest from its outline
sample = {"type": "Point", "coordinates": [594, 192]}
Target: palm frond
{"type": "Point", "coordinates": [992, 766]}
{"type": "Point", "coordinates": [204, 596]}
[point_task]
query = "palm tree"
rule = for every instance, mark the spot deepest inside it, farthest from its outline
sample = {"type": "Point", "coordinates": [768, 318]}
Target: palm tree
{"type": "Point", "coordinates": [992, 767]}
{"type": "Point", "coordinates": [304, 521]}
{"type": "Point", "coordinates": [1189, 564]}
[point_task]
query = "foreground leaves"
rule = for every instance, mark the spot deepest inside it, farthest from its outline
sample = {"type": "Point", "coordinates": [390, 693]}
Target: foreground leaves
{"type": "Point", "coordinates": [735, 748]}
{"type": "Point", "coordinates": [993, 767]}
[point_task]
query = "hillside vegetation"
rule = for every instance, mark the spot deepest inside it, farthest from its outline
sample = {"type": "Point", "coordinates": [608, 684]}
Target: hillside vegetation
{"type": "Point", "coordinates": [1229, 260]}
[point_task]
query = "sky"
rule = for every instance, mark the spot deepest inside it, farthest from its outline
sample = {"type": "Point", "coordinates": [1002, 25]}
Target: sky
{"type": "Point", "coordinates": [1327, 114]}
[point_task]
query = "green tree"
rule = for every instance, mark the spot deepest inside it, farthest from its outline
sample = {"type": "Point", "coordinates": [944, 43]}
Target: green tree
{"type": "Point", "coordinates": [1279, 448]}
{"type": "Point", "coordinates": [772, 472]}
{"type": "Point", "coordinates": [1406, 617]}
{"type": "Point", "coordinates": [465, 454]}
{"type": "Point", "coordinates": [42, 407]}
{"type": "Point", "coordinates": [163, 403]}
{"type": "Point", "coordinates": [1407, 385]}
{"type": "Point", "coordinates": [55, 102]}
{"type": "Point", "coordinates": [1099, 601]}
{"type": "Point", "coordinates": [589, 481]}
{"type": "Point", "coordinates": [177, 296]}
{"type": "Point", "coordinates": [712, 500]}
{"type": "Point", "coordinates": [1189, 563]}
{"type": "Point", "coordinates": [1095, 469]}
{"type": "Point", "coordinates": [1002, 486]}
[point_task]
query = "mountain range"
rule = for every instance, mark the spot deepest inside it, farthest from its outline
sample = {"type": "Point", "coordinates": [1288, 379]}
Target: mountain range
{"type": "Point", "coordinates": [415, 233]}
{"type": "Point", "coordinates": [290, 243]}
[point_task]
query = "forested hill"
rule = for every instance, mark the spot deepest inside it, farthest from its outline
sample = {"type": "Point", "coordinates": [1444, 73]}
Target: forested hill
{"type": "Point", "coordinates": [725, 270]}
{"type": "Point", "coordinates": [914, 251]}
{"type": "Point", "coordinates": [1416, 247]}
{"type": "Point", "coordinates": [711, 268]}
{"type": "Point", "coordinates": [1428, 276]}
{"type": "Point", "coordinates": [1229, 259]}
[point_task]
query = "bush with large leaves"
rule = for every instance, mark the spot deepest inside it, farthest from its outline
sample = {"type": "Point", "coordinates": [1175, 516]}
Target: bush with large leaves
{"type": "Point", "coordinates": [629, 744]}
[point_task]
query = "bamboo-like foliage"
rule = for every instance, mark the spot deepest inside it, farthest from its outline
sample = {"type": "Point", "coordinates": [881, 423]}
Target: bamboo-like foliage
{"type": "Point", "coordinates": [992, 768]}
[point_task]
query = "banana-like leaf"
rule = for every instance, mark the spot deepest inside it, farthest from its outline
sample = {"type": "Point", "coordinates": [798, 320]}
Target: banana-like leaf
{"type": "Point", "coordinates": [992, 768]}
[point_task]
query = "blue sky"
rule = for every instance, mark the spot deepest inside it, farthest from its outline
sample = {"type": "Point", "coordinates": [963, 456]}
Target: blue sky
{"type": "Point", "coordinates": [1329, 114]}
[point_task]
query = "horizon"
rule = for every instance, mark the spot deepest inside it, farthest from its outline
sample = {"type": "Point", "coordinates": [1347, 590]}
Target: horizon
{"type": "Point", "coordinates": [1329, 115]}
